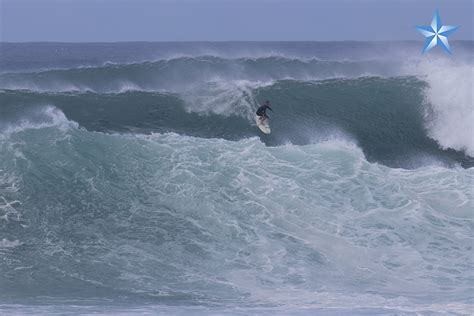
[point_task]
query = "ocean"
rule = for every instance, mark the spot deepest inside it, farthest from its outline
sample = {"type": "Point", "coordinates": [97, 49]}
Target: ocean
{"type": "Point", "coordinates": [133, 179]}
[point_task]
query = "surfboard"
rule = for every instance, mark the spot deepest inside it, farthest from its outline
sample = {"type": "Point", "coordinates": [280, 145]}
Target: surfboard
{"type": "Point", "coordinates": [264, 127]}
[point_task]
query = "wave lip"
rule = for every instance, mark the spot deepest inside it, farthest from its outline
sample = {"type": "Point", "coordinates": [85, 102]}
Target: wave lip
{"type": "Point", "coordinates": [450, 104]}
{"type": "Point", "coordinates": [38, 118]}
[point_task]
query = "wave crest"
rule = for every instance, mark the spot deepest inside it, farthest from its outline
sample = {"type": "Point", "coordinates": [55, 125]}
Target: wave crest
{"type": "Point", "coordinates": [38, 118]}
{"type": "Point", "coordinates": [450, 104]}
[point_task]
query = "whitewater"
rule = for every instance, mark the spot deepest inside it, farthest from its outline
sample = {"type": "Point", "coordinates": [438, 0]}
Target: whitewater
{"type": "Point", "coordinates": [133, 179]}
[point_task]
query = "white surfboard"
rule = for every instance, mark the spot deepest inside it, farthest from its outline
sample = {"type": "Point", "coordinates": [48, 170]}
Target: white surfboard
{"type": "Point", "coordinates": [264, 127]}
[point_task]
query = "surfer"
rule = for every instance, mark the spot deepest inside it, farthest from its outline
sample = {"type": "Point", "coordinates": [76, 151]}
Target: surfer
{"type": "Point", "coordinates": [262, 111]}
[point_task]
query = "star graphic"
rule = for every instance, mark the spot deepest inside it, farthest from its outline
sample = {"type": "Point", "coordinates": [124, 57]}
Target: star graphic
{"type": "Point", "coordinates": [436, 34]}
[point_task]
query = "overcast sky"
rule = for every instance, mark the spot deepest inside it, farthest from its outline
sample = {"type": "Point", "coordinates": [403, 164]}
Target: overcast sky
{"type": "Point", "coordinates": [227, 20]}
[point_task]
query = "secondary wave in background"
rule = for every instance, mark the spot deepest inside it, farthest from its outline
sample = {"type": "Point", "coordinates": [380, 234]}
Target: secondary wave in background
{"type": "Point", "coordinates": [184, 73]}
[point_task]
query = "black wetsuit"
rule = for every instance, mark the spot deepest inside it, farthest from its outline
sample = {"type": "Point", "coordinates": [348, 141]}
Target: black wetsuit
{"type": "Point", "coordinates": [262, 111]}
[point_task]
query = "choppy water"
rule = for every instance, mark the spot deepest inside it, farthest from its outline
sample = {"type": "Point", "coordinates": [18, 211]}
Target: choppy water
{"type": "Point", "coordinates": [133, 179]}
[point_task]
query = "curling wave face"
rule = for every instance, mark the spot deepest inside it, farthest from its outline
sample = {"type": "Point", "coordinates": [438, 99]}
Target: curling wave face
{"type": "Point", "coordinates": [428, 100]}
{"type": "Point", "coordinates": [389, 118]}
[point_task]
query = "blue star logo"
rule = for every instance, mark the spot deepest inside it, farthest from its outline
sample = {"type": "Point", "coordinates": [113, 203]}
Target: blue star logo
{"type": "Point", "coordinates": [436, 34]}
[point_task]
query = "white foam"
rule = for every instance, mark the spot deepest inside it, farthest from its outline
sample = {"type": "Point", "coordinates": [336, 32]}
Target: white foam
{"type": "Point", "coordinates": [39, 87]}
{"type": "Point", "coordinates": [129, 86]}
{"type": "Point", "coordinates": [450, 104]}
{"type": "Point", "coordinates": [365, 221]}
{"type": "Point", "coordinates": [5, 243]}
{"type": "Point", "coordinates": [289, 225]}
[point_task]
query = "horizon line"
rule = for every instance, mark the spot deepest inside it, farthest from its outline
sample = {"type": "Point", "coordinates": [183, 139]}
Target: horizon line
{"type": "Point", "coordinates": [223, 41]}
